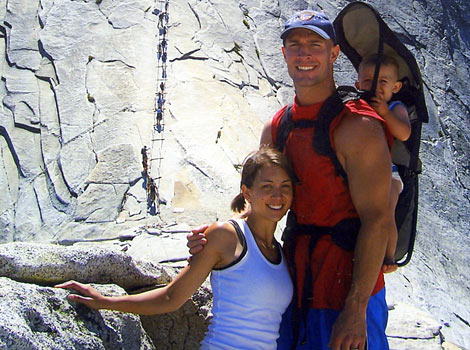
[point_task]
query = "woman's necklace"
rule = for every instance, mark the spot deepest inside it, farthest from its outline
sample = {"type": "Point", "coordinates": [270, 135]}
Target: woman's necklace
{"type": "Point", "coordinates": [271, 246]}
{"type": "Point", "coordinates": [267, 246]}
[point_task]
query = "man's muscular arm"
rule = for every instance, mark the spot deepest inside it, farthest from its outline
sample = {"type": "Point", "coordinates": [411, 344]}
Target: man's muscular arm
{"type": "Point", "coordinates": [362, 150]}
{"type": "Point", "coordinates": [266, 137]}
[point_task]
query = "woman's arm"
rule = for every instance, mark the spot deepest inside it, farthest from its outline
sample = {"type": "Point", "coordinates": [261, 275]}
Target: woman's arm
{"type": "Point", "coordinates": [170, 298]}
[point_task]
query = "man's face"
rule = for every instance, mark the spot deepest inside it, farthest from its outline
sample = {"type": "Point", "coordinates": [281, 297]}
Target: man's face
{"type": "Point", "coordinates": [309, 57]}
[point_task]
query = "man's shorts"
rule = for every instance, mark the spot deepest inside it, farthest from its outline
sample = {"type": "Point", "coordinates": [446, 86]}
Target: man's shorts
{"type": "Point", "coordinates": [320, 323]}
{"type": "Point", "coordinates": [396, 176]}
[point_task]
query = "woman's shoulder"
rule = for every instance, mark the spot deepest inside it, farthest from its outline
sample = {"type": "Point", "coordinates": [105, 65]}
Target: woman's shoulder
{"type": "Point", "coordinates": [222, 239]}
{"type": "Point", "coordinates": [221, 233]}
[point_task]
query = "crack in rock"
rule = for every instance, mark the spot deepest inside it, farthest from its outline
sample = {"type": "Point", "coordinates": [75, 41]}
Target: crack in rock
{"type": "Point", "coordinates": [195, 15]}
{"type": "Point", "coordinates": [189, 56]}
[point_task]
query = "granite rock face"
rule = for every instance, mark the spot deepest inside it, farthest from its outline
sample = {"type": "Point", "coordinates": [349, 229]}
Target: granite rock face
{"type": "Point", "coordinates": [36, 316]}
{"type": "Point", "coordinates": [52, 264]}
{"type": "Point", "coordinates": [80, 81]}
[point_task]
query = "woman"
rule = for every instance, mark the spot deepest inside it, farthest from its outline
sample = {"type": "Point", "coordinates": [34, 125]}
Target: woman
{"type": "Point", "coordinates": [250, 281]}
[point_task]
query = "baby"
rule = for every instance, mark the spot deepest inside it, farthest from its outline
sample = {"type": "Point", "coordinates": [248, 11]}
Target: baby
{"type": "Point", "coordinates": [395, 115]}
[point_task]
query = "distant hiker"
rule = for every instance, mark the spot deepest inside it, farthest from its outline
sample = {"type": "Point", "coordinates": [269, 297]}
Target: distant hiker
{"type": "Point", "coordinates": [160, 100]}
{"type": "Point", "coordinates": [250, 280]}
{"type": "Point", "coordinates": [143, 151]}
{"type": "Point", "coordinates": [395, 115]}
{"type": "Point", "coordinates": [159, 115]}
{"type": "Point", "coordinates": [162, 86]}
{"type": "Point", "coordinates": [151, 192]}
{"type": "Point", "coordinates": [161, 17]}
{"type": "Point", "coordinates": [335, 241]}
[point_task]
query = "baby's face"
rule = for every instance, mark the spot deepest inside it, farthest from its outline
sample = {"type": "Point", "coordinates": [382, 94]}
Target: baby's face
{"type": "Point", "coordinates": [387, 84]}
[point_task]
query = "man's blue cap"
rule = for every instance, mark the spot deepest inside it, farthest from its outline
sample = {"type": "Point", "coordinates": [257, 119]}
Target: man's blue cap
{"type": "Point", "coordinates": [317, 22]}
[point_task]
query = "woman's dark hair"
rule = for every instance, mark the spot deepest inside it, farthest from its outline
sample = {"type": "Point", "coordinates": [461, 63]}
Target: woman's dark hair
{"type": "Point", "coordinates": [251, 166]}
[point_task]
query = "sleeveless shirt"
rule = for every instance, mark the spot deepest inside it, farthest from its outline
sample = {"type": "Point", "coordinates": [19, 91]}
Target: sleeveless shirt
{"type": "Point", "coordinates": [249, 299]}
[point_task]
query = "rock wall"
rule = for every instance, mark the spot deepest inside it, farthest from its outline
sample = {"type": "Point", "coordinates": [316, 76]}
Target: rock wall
{"type": "Point", "coordinates": [77, 98]}
{"type": "Point", "coordinates": [80, 84]}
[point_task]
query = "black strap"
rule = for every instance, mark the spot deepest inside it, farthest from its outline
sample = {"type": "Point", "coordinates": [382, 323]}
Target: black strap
{"type": "Point", "coordinates": [242, 239]}
{"type": "Point", "coordinates": [284, 129]}
{"type": "Point", "coordinates": [288, 237]}
{"type": "Point", "coordinates": [344, 235]}
{"type": "Point", "coordinates": [307, 292]}
{"type": "Point", "coordinates": [321, 138]}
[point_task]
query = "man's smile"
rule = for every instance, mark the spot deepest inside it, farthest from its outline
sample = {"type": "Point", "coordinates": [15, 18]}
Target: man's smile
{"type": "Point", "coordinates": [305, 68]}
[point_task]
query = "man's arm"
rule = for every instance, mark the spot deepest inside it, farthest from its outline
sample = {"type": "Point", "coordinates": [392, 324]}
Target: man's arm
{"type": "Point", "coordinates": [362, 150]}
{"type": "Point", "coordinates": [266, 137]}
{"type": "Point", "coordinates": [196, 239]}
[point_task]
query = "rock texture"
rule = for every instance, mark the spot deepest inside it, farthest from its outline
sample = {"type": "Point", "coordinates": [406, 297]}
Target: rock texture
{"type": "Point", "coordinates": [51, 264]}
{"type": "Point", "coordinates": [421, 331]}
{"type": "Point", "coordinates": [79, 101]}
{"type": "Point", "coordinates": [36, 316]}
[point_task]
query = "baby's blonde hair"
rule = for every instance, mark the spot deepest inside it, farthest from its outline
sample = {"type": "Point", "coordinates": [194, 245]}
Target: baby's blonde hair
{"type": "Point", "coordinates": [384, 60]}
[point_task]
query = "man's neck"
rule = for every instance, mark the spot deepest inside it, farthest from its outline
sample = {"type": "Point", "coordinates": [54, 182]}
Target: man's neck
{"type": "Point", "coordinates": [311, 95]}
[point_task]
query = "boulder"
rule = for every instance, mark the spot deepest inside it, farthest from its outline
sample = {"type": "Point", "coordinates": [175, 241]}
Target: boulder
{"type": "Point", "coordinates": [412, 329]}
{"type": "Point", "coordinates": [35, 317]}
{"type": "Point", "coordinates": [48, 264]}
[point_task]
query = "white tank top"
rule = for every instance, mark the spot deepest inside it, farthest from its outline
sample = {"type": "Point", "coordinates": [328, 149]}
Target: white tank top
{"type": "Point", "coordinates": [249, 299]}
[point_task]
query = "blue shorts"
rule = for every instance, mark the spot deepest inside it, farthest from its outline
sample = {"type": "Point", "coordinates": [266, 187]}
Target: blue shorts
{"type": "Point", "coordinates": [396, 176]}
{"type": "Point", "coordinates": [320, 322]}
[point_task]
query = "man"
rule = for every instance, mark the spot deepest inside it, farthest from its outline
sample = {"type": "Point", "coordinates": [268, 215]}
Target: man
{"type": "Point", "coordinates": [341, 313]}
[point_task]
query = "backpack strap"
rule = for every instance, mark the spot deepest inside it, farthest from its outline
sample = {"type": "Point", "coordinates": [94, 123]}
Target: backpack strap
{"type": "Point", "coordinates": [284, 129]}
{"type": "Point", "coordinates": [330, 109]}
{"type": "Point", "coordinates": [321, 142]}
{"type": "Point", "coordinates": [343, 234]}
{"type": "Point", "coordinates": [286, 125]}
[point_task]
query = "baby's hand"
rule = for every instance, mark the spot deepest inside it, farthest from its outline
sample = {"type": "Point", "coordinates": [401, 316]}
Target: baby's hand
{"type": "Point", "coordinates": [389, 266]}
{"type": "Point", "coordinates": [379, 104]}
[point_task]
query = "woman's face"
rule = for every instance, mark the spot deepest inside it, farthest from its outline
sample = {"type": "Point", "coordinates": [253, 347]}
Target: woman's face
{"type": "Point", "coordinates": [271, 194]}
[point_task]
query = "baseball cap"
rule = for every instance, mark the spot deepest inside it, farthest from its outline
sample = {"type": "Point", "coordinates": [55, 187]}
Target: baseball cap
{"type": "Point", "coordinates": [313, 20]}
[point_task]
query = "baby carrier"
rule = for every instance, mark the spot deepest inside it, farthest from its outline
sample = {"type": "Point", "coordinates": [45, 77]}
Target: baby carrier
{"type": "Point", "coordinates": [361, 32]}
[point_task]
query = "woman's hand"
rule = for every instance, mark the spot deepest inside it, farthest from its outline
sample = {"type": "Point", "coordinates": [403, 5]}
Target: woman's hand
{"type": "Point", "coordinates": [89, 295]}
